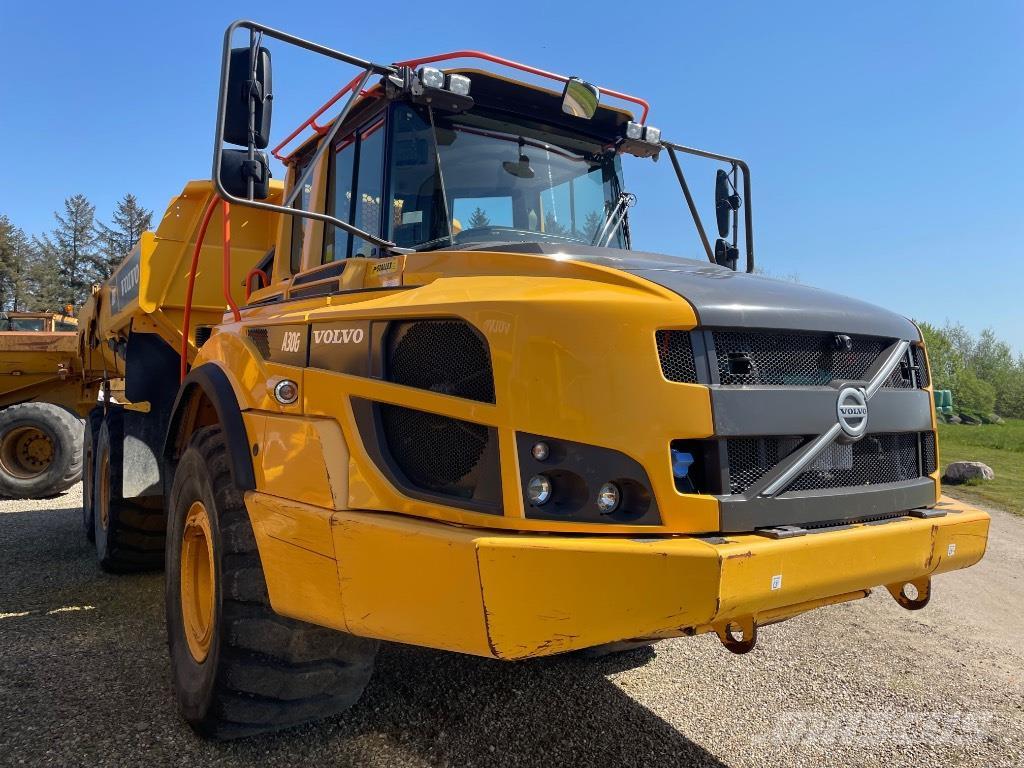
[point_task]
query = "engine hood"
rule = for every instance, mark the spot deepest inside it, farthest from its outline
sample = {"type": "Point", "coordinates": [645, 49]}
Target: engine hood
{"type": "Point", "coordinates": [723, 298]}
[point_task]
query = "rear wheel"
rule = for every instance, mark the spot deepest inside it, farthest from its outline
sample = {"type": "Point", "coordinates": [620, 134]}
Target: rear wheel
{"type": "Point", "coordinates": [40, 450]}
{"type": "Point", "coordinates": [238, 667]}
{"type": "Point", "coordinates": [128, 537]}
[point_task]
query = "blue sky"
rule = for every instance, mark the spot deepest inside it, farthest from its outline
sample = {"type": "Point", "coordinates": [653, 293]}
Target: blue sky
{"type": "Point", "coordinates": [886, 140]}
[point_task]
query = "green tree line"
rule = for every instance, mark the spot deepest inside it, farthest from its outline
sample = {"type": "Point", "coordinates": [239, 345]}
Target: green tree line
{"type": "Point", "coordinates": [47, 271]}
{"type": "Point", "coordinates": [981, 371]}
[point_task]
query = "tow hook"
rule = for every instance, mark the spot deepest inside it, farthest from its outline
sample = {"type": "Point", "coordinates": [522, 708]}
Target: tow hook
{"type": "Point", "coordinates": [912, 595]}
{"type": "Point", "coordinates": [743, 642]}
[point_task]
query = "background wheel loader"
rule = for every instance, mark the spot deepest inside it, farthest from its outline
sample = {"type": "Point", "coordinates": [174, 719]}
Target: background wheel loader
{"type": "Point", "coordinates": [425, 391]}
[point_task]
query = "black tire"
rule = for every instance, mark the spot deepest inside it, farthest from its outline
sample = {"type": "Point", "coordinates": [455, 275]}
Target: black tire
{"type": "Point", "coordinates": [128, 537]}
{"type": "Point", "coordinates": [91, 431]}
{"type": "Point", "coordinates": [261, 672]}
{"type": "Point", "coordinates": [24, 474]}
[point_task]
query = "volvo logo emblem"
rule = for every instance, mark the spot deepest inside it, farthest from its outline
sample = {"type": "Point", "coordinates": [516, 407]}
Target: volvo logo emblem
{"type": "Point", "coordinates": [852, 411]}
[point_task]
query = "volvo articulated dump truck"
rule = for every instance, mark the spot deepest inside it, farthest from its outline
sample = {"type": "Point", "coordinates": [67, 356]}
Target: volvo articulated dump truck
{"type": "Point", "coordinates": [449, 405]}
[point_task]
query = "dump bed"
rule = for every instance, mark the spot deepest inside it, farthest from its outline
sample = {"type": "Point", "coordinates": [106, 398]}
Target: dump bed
{"type": "Point", "coordinates": [147, 291]}
{"type": "Point", "coordinates": [40, 365]}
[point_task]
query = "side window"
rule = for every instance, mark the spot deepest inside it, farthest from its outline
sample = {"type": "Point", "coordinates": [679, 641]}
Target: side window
{"type": "Point", "coordinates": [339, 200]}
{"type": "Point", "coordinates": [369, 186]}
{"type": "Point", "coordinates": [299, 223]}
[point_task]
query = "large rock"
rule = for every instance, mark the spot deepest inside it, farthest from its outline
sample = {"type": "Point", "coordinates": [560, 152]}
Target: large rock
{"type": "Point", "coordinates": [961, 471]}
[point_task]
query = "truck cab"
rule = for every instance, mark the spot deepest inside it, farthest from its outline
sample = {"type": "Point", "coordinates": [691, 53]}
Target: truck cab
{"type": "Point", "coordinates": [455, 408]}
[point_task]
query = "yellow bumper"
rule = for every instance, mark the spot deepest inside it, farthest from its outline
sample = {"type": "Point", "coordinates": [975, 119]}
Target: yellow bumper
{"type": "Point", "coordinates": [514, 596]}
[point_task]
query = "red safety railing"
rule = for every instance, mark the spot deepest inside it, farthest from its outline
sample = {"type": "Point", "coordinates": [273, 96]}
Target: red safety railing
{"type": "Point", "coordinates": [310, 122]}
{"type": "Point", "coordinates": [186, 319]}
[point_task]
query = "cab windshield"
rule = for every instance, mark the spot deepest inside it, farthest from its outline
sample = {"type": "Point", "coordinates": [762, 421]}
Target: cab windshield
{"type": "Point", "coordinates": [492, 180]}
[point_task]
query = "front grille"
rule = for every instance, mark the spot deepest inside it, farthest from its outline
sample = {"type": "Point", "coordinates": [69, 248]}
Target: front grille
{"type": "Point", "coordinates": [675, 352]}
{"type": "Point", "coordinates": [929, 453]}
{"type": "Point", "coordinates": [259, 338]}
{"type": "Point", "coordinates": [875, 459]}
{"type": "Point", "coordinates": [444, 356]}
{"type": "Point", "coordinates": [436, 453]}
{"type": "Point", "coordinates": [792, 358]}
{"type": "Point", "coordinates": [787, 358]}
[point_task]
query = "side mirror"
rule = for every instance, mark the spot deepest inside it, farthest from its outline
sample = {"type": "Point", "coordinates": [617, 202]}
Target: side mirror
{"type": "Point", "coordinates": [236, 169]}
{"type": "Point", "coordinates": [726, 201]}
{"type": "Point", "coordinates": [580, 98]}
{"type": "Point", "coordinates": [248, 81]}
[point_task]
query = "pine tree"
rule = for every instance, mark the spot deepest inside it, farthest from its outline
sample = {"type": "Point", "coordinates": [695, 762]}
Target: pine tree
{"type": "Point", "coordinates": [14, 263]}
{"type": "Point", "coordinates": [115, 241]}
{"type": "Point", "coordinates": [552, 227]}
{"type": "Point", "coordinates": [479, 219]}
{"type": "Point", "coordinates": [592, 225]}
{"type": "Point", "coordinates": [63, 266]}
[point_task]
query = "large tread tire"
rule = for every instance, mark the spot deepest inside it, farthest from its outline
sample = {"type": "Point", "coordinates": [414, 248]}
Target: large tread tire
{"type": "Point", "coordinates": [62, 428]}
{"type": "Point", "coordinates": [90, 433]}
{"type": "Point", "coordinates": [262, 672]}
{"type": "Point", "coordinates": [128, 537]}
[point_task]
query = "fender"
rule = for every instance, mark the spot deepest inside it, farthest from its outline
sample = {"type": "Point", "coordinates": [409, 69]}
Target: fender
{"type": "Point", "coordinates": [212, 382]}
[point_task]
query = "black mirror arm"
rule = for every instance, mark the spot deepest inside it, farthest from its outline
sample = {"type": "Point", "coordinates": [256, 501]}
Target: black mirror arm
{"type": "Point", "coordinates": [369, 68]}
{"type": "Point", "coordinates": [748, 218]}
{"type": "Point", "coordinates": [689, 201]}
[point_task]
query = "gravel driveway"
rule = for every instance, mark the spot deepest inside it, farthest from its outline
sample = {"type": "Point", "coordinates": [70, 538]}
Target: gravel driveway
{"type": "Point", "coordinates": [84, 681]}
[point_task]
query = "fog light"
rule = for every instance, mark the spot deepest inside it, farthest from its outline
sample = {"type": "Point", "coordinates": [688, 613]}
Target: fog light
{"type": "Point", "coordinates": [652, 135]}
{"type": "Point", "coordinates": [458, 84]}
{"type": "Point", "coordinates": [541, 451]}
{"type": "Point", "coordinates": [538, 490]}
{"type": "Point", "coordinates": [286, 392]}
{"type": "Point", "coordinates": [431, 77]}
{"type": "Point", "coordinates": [608, 498]}
{"type": "Point", "coordinates": [634, 130]}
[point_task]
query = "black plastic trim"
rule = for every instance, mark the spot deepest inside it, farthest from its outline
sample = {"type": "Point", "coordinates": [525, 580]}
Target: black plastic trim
{"type": "Point", "coordinates": [215, 385]}
{"type": "Point", "coordinates": [825, 505]}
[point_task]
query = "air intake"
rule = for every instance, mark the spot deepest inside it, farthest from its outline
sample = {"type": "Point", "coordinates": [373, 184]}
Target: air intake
{"type": "Point", "coordinates": [438, 453]}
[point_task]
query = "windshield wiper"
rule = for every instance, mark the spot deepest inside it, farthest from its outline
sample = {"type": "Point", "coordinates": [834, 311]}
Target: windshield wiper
{"type": "Point", "coordinates": [614, 219]}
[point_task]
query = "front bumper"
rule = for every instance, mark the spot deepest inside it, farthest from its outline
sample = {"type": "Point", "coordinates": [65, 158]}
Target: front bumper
{"type": "Point", "coordinates": [514, 596]}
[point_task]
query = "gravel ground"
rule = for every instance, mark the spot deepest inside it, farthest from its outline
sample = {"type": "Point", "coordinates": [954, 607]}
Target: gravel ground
{"type": "Point", "coordinates": [84, 681]}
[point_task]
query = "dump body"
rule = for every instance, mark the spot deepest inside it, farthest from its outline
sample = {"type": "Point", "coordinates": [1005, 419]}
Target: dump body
{"type": "Point", "coordinates": [146, 294]}
{"type": "Point", "coordinates": [41, 365]}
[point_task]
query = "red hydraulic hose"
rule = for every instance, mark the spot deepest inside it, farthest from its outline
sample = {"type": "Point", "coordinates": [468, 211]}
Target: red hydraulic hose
{"type": "Point", "coordinates": [225, 208]}
{"type": "Point", "coordinates": [207, 215]}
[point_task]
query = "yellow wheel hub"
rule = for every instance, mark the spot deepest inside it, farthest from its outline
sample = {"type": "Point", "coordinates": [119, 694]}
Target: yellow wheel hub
{"type": "Point", "coordinates": [197, 581]}
{"type": "Point", "coordinates": [103, 499]}
{"type": "Point", "coordinates": [26, 452]}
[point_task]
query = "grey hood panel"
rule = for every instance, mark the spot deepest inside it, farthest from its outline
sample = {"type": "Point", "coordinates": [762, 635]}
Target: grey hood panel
{"type": "Point", "coordinates": [725, 298]}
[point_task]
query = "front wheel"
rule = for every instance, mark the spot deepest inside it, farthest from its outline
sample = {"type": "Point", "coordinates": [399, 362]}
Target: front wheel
{"type": "Point", "coordinates": [239, 668]}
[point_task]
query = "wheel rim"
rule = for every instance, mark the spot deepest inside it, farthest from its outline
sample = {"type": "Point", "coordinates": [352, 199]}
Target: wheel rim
{"type": "Point", "coordinates": [197, 581]}
{"type": "Point", "coordinates": [88, 502]}
{"type": "Point", "coordinates": [103, 500]}
{"type": "Point", "coordinates": [26, 452]}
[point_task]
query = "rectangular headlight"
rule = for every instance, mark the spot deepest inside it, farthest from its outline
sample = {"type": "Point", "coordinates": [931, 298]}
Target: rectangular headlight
{"type": "Point", "coordinates": [634, 131]}
{"type": "Point", "coordinates": [430, 77]}
{"type": "Point", "coordinates": [458, 84]}
{"type": "Point", "coordinates": [652, 135]}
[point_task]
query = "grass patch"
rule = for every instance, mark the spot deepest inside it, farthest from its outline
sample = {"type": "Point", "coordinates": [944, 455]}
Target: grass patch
{"type": "Point", "coordinates": [1001, 446]}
